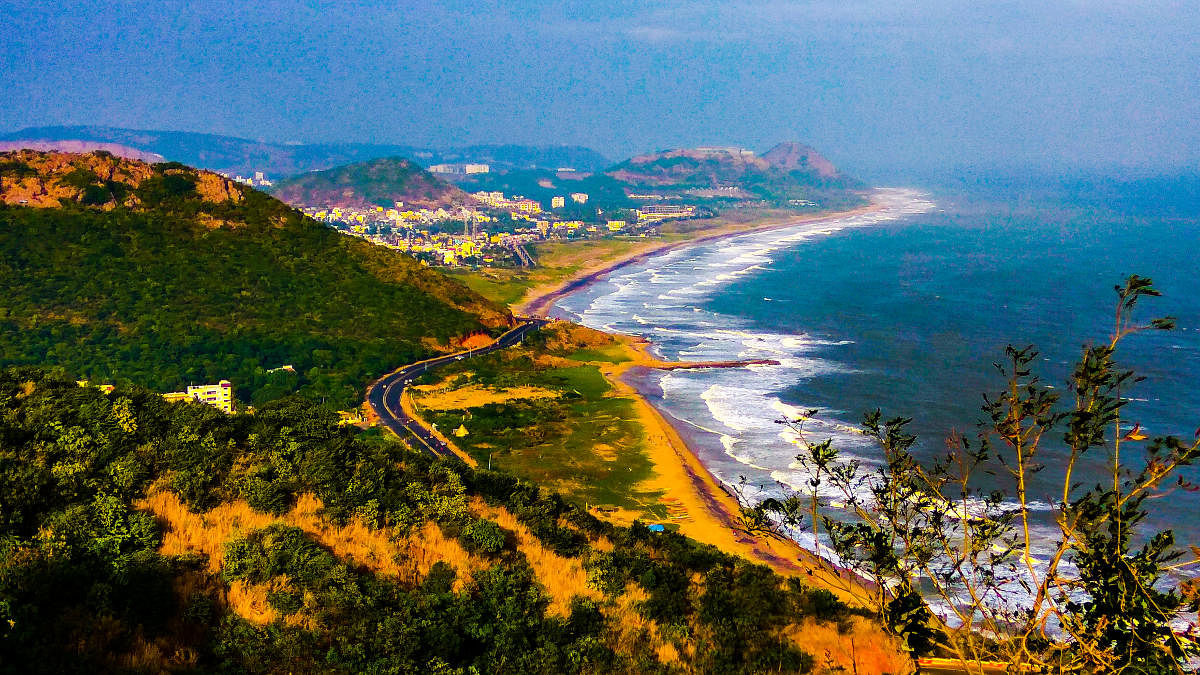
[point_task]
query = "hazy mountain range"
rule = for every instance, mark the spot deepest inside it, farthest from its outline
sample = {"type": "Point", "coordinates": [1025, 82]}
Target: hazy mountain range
{"type": "Point", "coordinates": [228, 154]}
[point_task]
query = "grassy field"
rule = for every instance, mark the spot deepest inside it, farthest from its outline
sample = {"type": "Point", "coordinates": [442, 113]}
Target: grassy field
{"type": "Point", "coordinates": [545, 412]}
{"type": "Point", "coordinates": [557, 261]}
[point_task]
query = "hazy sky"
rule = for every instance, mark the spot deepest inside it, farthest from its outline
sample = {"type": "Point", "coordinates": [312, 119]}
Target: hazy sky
{"type": "Point", "coordinates": [881, 86]}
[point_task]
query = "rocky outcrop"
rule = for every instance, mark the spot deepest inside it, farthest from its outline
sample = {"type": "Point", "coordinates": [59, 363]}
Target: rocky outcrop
{"type": "Point", "coordinates": [103, 180]}
{"type": "Point", "coordinates": [791, 156]}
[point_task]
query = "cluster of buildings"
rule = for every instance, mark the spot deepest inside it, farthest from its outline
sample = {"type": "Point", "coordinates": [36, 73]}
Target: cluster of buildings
{"type": "Point", "coordinates": [398, 216]}
{"type": "Point", "coordinates": [517, 204]}
{"type": "Point", "coordinates": [490, 233]}
{"type": "Point", "coordinates": [259, 179]}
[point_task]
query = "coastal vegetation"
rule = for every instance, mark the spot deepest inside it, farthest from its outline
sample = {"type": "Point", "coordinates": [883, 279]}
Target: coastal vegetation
{"type": "Point", "coordinates": [141, 535]}
{"type": "Point", "coordinates": [545, 412]}
{"type": "Point", "coordinates": [1103, 595]}
{"type": "Point", "coordinates": [164, 276]}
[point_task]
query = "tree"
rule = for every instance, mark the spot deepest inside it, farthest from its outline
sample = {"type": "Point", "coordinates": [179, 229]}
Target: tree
{"type": "Point", "coordinates": [1097, 600]}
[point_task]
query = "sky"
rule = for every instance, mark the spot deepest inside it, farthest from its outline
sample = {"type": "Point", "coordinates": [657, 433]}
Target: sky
{"type": "Point", "coordinates": [882, 87]}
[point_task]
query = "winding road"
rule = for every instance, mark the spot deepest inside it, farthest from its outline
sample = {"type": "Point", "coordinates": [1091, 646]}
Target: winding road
{"type": "Point", "coordinates": [385, 393]}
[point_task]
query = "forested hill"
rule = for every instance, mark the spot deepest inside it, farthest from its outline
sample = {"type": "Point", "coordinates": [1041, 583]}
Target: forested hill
{"type": "Point", "coordinates": [379, 182]}
{"type": "Point", "coordinates": [163, 275]}
{"type": "Point", "coordinates": [138, 535]}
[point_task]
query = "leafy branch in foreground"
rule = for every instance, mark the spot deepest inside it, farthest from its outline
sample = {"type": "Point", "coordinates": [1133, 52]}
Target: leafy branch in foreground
{"type": "Point", "coordinates": [1101, 598]}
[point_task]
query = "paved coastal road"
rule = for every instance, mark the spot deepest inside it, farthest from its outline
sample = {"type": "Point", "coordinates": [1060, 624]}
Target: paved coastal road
{"type": "Point", "coordinates": [384, 395]}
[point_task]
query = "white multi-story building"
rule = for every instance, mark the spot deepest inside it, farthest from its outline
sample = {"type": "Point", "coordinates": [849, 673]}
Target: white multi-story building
{"type": "Point", "coordinates": [460, 169]}
{"type": "Point", "coordinates": [665, 211]}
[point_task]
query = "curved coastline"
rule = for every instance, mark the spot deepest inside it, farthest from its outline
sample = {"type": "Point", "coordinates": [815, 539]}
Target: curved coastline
{"type": "Point", "coordinates": [540, 301]}
{"type": "Point", "coordinates": [680, 471]}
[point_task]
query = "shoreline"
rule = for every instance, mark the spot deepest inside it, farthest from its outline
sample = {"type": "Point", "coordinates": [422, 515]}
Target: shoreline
{"type": "Point", "coordinates": [538, 301]}
{"type": "Point", "coordinates": [679, 472]}
{"type": "Point", "coordinates": [682, 476]}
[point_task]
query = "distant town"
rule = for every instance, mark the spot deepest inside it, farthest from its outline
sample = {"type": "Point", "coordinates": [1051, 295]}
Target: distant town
{"type": "Point", "coordinates": [491, 233]}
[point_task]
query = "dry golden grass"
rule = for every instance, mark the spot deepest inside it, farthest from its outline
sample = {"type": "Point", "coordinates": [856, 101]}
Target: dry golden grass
{"type": "Point", "coordinates": [563, 578]}
{"type": "Point", "coordinates": [605, 452]}
{"type": "Point", "coordinates": [551, 361]}
{"type": "Point", "coordinates": [443, 384]}
{"type": "Point", "coordinates": [428, 546]}
{"type": "Point", "coordinates": [667, 653]}
{"type": "Point", "coordinates": [355, 542]}
{"type": "Point", "coordinates": [302, 620]}
{"type": "Point", "coordinates": [865, 650]}
{"type": "Point", "coordinates": [633, 628]}
{"type": "Point", "coordinates": [250, 602]}
{"type": "Point", "coordinates": [202, 533]}
{"type": "Point", "coordinates": [564, 336]}
{"type": "Point", "coordinates": [408, 559]}
{"type": "Point", "coordinates": [475, 395]}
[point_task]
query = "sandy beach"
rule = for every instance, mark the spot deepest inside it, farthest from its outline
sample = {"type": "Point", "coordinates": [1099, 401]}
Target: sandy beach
{"type": "Point", "coordinates": [714, 514]}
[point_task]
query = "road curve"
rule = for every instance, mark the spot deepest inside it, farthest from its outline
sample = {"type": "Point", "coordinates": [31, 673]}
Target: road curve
{"type": "Point", "coordinates": [385, 393]}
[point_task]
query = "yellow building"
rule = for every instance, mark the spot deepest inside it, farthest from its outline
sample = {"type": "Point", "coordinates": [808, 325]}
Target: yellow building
{"type": "Point", "coordinates": [557, 202]}
{"type": "Point", "coordinates": [616, 225]}
{"type": "Point", "coordinates": [218, 395]}
{"type": "Point", "coordinates": [528, 206]}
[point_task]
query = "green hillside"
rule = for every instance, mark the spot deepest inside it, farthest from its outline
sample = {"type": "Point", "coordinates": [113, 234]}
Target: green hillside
{"type": "Point", "coordinates": [379, 182]}
{"type": "Point", "coordinates": [143, 536]}
{"type": "Point", "coordinates": [162, 276]}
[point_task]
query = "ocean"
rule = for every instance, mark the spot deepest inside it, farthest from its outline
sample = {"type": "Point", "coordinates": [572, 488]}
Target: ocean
{"type": "Point", "coordinates": [905, 311]}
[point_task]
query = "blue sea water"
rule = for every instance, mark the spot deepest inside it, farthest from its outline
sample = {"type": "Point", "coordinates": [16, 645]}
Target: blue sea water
{"type": "Point", "coordinates": [906, 311]}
